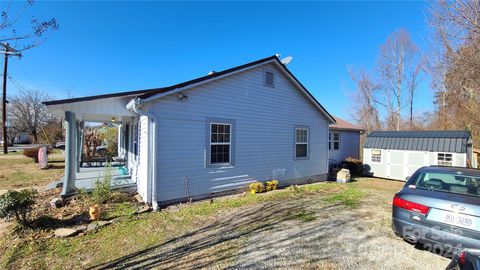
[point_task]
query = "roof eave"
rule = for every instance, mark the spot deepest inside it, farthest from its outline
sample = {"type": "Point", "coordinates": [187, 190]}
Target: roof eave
{"type": "Point", "coordinates": [348, 129]}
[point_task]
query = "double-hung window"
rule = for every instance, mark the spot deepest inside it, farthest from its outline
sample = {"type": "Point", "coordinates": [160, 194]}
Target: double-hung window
{"type": "Point", "coordinates": [220, 143]}
{"type": "Point", "coordinates": [444, 159]}
{"type": "Point", "coordinates": [334, 138]}
{"type": "Point", "coordinates": [301, 142]}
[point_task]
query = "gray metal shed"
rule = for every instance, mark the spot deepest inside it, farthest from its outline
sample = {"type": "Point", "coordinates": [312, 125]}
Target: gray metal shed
{"type": "Point", "coordinates": [397, 154]}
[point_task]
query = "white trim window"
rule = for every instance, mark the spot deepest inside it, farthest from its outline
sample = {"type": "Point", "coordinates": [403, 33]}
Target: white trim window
{"type": "Point", "coordinates": [220, 143]}
{"type": "Point", "coordinates": [269, 78]}
{"type": "Point", "coordinates": [334, 138]}
{"type": "Point", "coordinates": [444, 159]}
{"type": "Point", "coordinates": [376, 155]}
{"type": "Point", "coordinates": [301, 142]}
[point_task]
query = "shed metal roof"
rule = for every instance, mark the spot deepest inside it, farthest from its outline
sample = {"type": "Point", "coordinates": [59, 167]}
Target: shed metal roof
{"type": "Point", "coordinates": [434, 141]}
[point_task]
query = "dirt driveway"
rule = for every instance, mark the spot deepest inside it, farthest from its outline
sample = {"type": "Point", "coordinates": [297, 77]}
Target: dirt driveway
{"type": "Point", "coordinates": [300, 233]}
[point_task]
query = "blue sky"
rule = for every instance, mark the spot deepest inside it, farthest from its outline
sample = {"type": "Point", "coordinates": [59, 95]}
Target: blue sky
{"type": "Point", "coordinates": [104, 47]}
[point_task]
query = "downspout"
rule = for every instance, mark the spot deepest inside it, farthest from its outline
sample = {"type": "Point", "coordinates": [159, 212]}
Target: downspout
{"type": "Point", "coordinates": [134, 105]}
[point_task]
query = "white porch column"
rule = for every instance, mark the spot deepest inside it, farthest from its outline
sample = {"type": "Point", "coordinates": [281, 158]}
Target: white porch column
{"type": "Point", "coordinates": [120, 136]}
{"type": "Point", "coordinates": [70, 154]}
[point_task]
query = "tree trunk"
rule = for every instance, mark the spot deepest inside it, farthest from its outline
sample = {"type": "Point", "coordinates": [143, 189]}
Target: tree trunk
{"type": "Point", "coordinates": [399, 105]}
{"type": "Point", "coordinates": [35, 137]}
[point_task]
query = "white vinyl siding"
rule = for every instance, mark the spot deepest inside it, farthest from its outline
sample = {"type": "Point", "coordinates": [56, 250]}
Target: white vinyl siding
{"type": "Point", "coordinates": [262, 135]}
{"type": "Point", "coordinates": [142, 159]}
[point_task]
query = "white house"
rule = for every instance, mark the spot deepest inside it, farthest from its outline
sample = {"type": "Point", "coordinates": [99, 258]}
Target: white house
{"type": "Point", "coordinates": [208, 136]}
{"type": "Point", "coordinates": [343, 141]}
{"type": "Point", "coordinates": [398, 154]}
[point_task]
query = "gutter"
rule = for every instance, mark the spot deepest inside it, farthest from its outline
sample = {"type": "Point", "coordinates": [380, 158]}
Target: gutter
{"type": "Point", "coordinates": [133, 105]}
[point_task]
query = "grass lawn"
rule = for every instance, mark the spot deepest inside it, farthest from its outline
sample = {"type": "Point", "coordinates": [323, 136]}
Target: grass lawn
{"type": "Point", "coordinates": [18, 171]}
{"type": "Point", "coordinates": [314, 226]}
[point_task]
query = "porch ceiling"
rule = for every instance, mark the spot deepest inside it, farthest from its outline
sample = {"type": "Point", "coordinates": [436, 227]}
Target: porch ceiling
{"type": "Point", "coordinates": [101, 110]}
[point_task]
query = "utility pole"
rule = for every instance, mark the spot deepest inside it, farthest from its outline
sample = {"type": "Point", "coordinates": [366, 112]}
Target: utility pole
{"type": "Point", "coordinates": [8, 51]}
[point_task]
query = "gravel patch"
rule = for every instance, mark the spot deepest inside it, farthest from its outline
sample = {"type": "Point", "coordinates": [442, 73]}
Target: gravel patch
{"type": "Point", "coordinates": [303, 232]}
{"type": "Point", "coordinates": [338, 239]}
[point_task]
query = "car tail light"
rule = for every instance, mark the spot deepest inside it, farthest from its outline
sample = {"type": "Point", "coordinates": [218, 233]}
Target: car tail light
{"type": "Point", "coordinates": [461, 257]}
{"type": "Point", "coordinates": [410, 206]}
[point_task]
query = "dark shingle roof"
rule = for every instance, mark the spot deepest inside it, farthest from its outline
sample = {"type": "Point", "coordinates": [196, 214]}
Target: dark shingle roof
{"type": "Point", "coordinates": [433, 141]}
{"type": "Point", "coordinates": [344, 125]}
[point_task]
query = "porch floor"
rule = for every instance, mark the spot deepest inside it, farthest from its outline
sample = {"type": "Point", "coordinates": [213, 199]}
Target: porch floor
{"type": "Point", "coordinates": [87, 177]}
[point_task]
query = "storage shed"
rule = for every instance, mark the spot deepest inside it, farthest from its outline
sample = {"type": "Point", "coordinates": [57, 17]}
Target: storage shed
{"type": "Point", "coordinates": [398, 154]}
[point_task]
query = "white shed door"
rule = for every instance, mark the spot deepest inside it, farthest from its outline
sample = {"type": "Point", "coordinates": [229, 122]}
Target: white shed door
{"type": "Point", "coordinates": [396, 161]}
{"type": "Point", "coordinates": [402, 164]}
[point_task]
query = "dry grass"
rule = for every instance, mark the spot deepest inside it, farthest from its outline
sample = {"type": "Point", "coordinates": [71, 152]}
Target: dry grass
{"type": "Point", "coordinates": [18, 171]}
{"type": "Point", "coordinates": [317, 226]}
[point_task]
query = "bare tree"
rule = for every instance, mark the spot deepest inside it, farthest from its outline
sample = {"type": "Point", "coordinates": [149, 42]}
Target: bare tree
{"type": "Point", "coordinates": [28, 114]}
{"type": "Point", "coordinates": [23, 39]}
{"type": "Point", "coordinates": [399, 65]}
{"type": "Point", "coordinates": [365, 104]}
{"type": "Point", "coordinates": [454, 63]}
{"type": "Point", "coordinates": [413, 79]}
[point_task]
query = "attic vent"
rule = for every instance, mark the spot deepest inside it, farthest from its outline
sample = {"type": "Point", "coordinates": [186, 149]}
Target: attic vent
{"type": "Point", "coordinates": [212, 72]}
{"type": "Point", "coordinates": [269, 80]}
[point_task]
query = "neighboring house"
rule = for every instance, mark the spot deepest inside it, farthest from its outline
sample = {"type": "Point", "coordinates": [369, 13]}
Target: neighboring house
{"type": "Point", "coordinates": [22, 138]}
{"type": "Point", "coordinates": [343, 141]}
{"type": "Point", "coordinates": [398, 154]}
{"type": "Point", "coordinates": [209, 136]}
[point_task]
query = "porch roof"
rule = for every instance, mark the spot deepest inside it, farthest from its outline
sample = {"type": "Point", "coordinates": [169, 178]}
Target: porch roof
{"type": "Point", "coordinates": [102, 109]}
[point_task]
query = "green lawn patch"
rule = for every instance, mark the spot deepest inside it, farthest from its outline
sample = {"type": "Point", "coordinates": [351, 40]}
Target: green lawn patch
{"type": "Point", "coordinates": [349, 197]}
{"type": "Point", "coordinates": [18, 171]}
{"type": "Point", "coordinates": [134, 233]}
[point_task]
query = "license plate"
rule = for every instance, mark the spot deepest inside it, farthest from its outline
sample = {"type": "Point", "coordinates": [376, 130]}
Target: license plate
{"type": "Point", "coordinates": [459, 220]}
{"type": "Point", "coordinates": [455, 219]}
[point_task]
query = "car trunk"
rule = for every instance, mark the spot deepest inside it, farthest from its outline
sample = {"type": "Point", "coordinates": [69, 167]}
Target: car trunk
{"type": "Point", "coordinates": [457, 213]}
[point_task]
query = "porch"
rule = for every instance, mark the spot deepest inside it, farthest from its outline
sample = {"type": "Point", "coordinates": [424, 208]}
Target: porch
{"type": "Point", "coordinates": [82, 170]}
{"type": "Point", "coordinates": [86, 178]}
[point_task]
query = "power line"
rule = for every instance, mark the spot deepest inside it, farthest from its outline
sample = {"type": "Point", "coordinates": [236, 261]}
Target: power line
{"type": "Point", "coordinates": [17, 84]}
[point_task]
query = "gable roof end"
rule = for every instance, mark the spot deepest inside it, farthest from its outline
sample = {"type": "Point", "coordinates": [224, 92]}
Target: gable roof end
{"type": "Point", "coordinates": [161, 92]}
{"type": "Point", "coordinates": [146, 95]}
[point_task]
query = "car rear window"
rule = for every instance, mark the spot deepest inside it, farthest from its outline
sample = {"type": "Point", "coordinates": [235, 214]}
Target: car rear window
{"type": "Point", "coordinates": [448, 182]}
